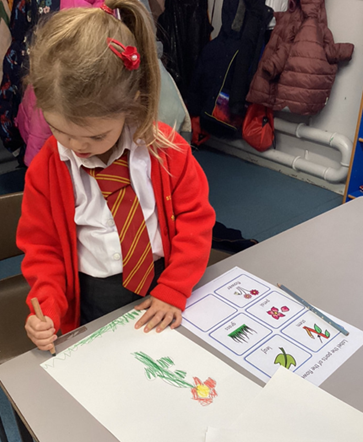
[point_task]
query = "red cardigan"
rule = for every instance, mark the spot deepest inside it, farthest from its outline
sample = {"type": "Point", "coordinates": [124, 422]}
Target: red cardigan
{"type": "Point", "coordinates": [47, 231]}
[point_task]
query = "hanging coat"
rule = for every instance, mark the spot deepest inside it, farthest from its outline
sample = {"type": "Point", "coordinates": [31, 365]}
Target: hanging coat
{"type": "Point", "coordinates": [24, 16]}
{"type": "Point", "coordinates": [298, 68]}
{"type": "Point", "coordinates": [218, 77]}
{"type": "Point", "coordinates": [184, 29]}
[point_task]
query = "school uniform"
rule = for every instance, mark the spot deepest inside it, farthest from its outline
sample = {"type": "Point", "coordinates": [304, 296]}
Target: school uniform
{"type": "Point", "coordinates": [49, 235]}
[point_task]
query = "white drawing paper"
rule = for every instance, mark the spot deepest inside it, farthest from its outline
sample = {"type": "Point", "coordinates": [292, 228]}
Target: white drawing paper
{"type": "Point", "coordinates": [149, 386]}
{"type": "Point", "coordinates": [233, 435]}
{"type": "Point", "coordinates": [293, 410]}
{"type": "Point", "coordinates": [260, 327]}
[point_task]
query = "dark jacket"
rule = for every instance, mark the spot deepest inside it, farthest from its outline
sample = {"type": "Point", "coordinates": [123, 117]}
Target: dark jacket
{"type": "Point", "coordinates": [223, 71]}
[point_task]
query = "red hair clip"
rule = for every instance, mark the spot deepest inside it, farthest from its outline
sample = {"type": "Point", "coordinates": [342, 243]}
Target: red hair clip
{"type": "Point", "coordinates": [129, 56]}
{"type": "Point", "coordinates": [107, 9]}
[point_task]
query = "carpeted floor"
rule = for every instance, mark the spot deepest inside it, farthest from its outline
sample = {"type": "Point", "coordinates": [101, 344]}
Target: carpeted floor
{"type": "Point", "coordinates": [257, 201]}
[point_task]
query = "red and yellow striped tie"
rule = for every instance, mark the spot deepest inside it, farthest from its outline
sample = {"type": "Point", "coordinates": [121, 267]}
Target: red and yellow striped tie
{"type": "Point", "coordinates": [138, 265]}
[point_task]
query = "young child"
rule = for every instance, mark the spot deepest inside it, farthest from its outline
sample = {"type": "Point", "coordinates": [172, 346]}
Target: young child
{"type": "Point", "coordinates": [92, 241]}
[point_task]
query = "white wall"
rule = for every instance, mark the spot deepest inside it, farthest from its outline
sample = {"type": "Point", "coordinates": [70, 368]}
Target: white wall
{"type": "Point", "coordinates": [345, 20]}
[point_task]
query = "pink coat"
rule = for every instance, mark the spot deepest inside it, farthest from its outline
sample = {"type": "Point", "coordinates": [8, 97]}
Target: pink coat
{"type": "Point", "coordinates": [31, 124]}
{"type": "Point", "coordinates": [30, 121]}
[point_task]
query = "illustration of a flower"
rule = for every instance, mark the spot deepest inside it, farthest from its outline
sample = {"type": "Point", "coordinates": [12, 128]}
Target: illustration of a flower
{"type": "Point", "coordinates": [274, 312]}
{"type": "Point", "coordinates": [160, 368]}
{"type": "Point", "coordinates": [245, 292]}
{"type": "Point", "coordinates": [204, 392]}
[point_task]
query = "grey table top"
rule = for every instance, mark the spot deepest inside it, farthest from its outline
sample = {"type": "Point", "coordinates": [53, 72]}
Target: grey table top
{"type": "Point", "coordinates": [321, 260]}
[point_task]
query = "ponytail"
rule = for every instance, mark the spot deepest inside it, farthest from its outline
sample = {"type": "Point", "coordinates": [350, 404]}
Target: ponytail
{"type": "Point", "coordinates": [138, 20]}
{"type": "Point", "coordinates": [74, 72]}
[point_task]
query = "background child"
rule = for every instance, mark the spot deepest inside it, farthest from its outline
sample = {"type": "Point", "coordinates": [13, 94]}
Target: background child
{"type": "Point", "coordinates": [87, 249]}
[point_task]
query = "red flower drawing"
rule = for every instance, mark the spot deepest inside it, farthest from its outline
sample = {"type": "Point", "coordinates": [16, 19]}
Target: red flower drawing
{"type": "Point", "coordinates": [204, 392]}
{"type": "Point", "coordinates": [274, 312]}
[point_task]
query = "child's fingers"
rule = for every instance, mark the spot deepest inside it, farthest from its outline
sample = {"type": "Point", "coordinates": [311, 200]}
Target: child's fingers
{"type": "Point", "coordinates": [44, 345]}
{"type": "Point", "coordinates": [144, 305]}
{"type": "Point", "coordinates": [37, 325]}
{"type": "Point", "coordinates": [41, 333]}
{"type": "Point", "coordinates": [160, 315]}
{"type": "Point", "coordinates": [168, 319]}
{"type": "Point", "coordinates": [155, 320]}
{"type": "Point", "coordinates": [145, 318]}
{"type": "Point", "coordinates": [174, 321]}
{"type": "Point", "coordinates": [177, 322]}
{"type": "Point", "coordinates": [36, 336]}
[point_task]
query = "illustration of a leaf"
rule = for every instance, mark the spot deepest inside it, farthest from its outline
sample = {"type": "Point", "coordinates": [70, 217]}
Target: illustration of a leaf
{"type": "Point", "coordinates": [180, 373]}
{"type": "Point", "coordinates": [149, 374]}
{"type": "Point", "coordinates": [290, 361]}
{"type": "Point", "coordinates": [317, 329]}
{"type": "Point", "coordinates": [284, 359]}
{"type": "Point", "coordinates": [160, 369]}
{"type": "Point", "coordinates": [327, 334]}
{"type": "Point", "coordinates": [165, 362]}
{"type": "Point", "coordinates": [280, 359]}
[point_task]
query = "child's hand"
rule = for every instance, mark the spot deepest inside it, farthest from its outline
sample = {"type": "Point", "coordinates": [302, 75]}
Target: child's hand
{"type": "Point", "coordinates": [159, 314]}
{"type": "Point", "coordinates": [41, 333]}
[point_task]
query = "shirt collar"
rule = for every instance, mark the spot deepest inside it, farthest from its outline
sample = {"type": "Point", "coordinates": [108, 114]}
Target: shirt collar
{"type": "Point", "coordinates": [125, 142]}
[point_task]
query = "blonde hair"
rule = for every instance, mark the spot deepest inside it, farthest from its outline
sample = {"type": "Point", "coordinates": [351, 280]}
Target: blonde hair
{"type": "Point", "coordinates": [73, 71]}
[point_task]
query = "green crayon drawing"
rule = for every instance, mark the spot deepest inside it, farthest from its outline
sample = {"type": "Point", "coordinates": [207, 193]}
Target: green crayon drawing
{"type": "Point", "coordinates": [160, 369]}
{"type": "Point", "coordinates": [111, 326]}
{"type": "Point", "coordinates": [203, 392]}
{"type": "Point", "coordinates": [284, 359]}
{"type": "Point", "coordinates": [241, 333]}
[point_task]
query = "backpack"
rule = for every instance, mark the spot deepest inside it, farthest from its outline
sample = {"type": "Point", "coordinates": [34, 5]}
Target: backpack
{"type": "Point", "coordinates": [258, 127]}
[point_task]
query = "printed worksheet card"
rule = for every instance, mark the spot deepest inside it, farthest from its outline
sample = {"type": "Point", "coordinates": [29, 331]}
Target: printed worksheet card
{"type": "Point", "coordinates": [174, 387]}
{"type": "Point", "coordinates": [261, 328]}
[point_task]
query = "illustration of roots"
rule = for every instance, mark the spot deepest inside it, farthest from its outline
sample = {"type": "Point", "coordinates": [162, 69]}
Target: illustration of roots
{"type": "Point", "coordinates": [241, 334]}
{"type": "Point", "coordinates": [246, 293]}
{"type": "Point", "coordinates": [284, 359]}
{"type": "Point", "coordinates": [201, 392]}
{"type": "Point", "coordinates": [317, 331]}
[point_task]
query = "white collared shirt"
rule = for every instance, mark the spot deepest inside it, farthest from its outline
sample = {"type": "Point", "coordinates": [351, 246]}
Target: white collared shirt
{"type": "Point", "coordinates": [99, 249]}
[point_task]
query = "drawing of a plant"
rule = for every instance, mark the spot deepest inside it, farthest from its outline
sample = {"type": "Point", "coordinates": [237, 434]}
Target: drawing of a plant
{"type": "Point", "coordinates": [284, 359]}
{"type": "Point", "coordinates": [318, 331]}
{"type": "Point", "coordinates": [246, 293]}
{"type": "Point", "coordinates": [202, 392]}
{"type": "Point", "coordinates": [241, 333]}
